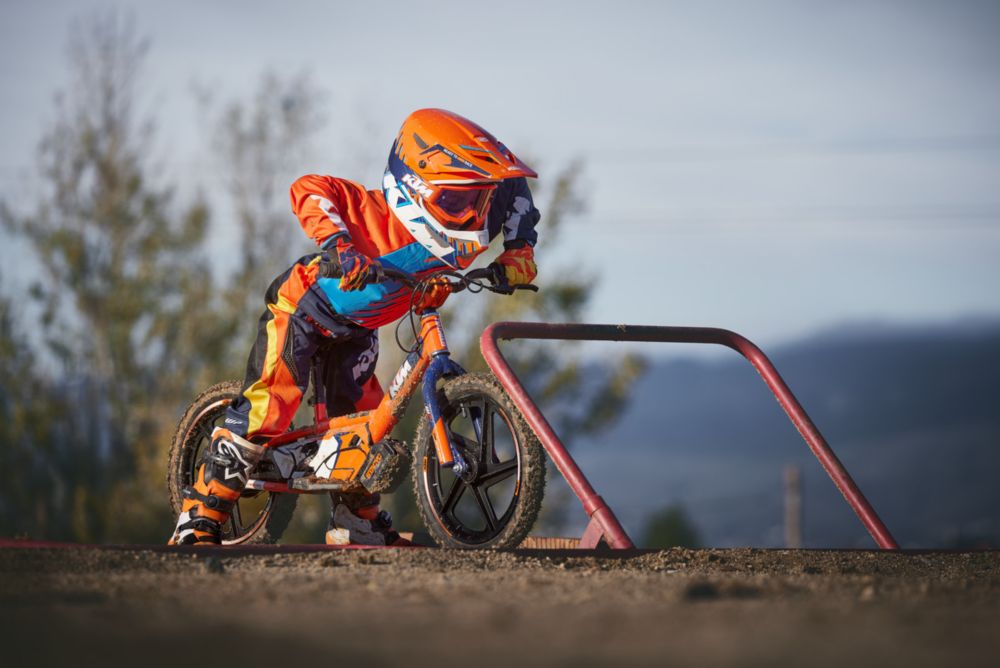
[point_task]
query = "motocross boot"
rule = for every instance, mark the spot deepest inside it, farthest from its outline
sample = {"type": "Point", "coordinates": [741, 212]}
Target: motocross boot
{"type": "Point", "coordinates": [223, 474]}
{"type": "Point", "coordinates": [355, 519]}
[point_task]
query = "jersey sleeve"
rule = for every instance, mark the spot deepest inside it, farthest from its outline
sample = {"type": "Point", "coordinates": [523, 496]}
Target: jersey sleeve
{"type": "Point", "coordinates": [318, 201]}
{"type": "Point", "coordinates": [513, 212]}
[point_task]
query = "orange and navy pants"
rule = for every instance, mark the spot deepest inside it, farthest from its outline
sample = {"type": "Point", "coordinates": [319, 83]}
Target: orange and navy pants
{"type": "Point", "coordinates": [297, 331]}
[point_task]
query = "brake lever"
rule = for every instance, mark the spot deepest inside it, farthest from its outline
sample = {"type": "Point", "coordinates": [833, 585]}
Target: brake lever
{"type": "Point", "coordinates": [507, 289]}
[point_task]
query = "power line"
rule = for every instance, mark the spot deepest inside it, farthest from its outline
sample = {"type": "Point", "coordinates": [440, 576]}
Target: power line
{"type": "Point", "coordinates": [817, 214]}
{"type": "Point", "coordinates": [681, 153]}
{"type": "Point", "coordinates": [926, 219]}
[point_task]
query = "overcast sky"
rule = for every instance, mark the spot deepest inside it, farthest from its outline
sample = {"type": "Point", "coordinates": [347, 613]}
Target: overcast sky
{"type": "Point", "coordinates": [770, 167]}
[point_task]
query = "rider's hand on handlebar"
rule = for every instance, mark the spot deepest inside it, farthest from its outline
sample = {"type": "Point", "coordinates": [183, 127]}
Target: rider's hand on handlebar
{"type": "Point", "coordinates": [435, 292]}
{"type": "Point", "coordinates": [356, 268]}
{"type": "Point", "coordinates": [518, 265]}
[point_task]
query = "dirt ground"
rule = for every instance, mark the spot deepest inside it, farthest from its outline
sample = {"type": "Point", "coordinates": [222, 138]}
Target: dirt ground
{"type": "Point", "coordinates": [182, 606]}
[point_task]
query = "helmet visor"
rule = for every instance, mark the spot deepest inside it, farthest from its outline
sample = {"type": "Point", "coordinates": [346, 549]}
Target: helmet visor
{"type": "Point", "coordinates": [462, 207]}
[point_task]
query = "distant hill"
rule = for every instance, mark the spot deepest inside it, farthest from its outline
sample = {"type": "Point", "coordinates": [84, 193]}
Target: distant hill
{"type": "Point", "coordinates": [913, 412]}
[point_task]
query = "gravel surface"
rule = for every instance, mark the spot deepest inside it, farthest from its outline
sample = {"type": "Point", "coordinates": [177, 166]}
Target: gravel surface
{"type": "Point", "coordinates": [181, 606]}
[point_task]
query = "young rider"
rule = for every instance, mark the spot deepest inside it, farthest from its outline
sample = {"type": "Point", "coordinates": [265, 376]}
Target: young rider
{"type": "Point", "coordinates": [449, 189]}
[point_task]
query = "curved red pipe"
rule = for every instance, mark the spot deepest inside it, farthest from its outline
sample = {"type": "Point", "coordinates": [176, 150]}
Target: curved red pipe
{"type": "Point", "coordinates": [592, 503]}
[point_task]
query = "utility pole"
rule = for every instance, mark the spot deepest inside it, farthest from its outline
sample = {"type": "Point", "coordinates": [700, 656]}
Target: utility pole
{"type": "Point", "coordinates": [793, 507]}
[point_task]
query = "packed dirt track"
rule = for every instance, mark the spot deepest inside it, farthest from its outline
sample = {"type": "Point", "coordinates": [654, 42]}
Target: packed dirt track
{"type": "Point", "coordinates": [415, 606]}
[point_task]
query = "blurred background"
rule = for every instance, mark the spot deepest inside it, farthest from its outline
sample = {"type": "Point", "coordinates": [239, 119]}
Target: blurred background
{"type": "Point", "coordinates": [823, 178]}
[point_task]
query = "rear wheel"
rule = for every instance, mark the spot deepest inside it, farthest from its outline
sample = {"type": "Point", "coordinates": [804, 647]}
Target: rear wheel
{"type": "Point", "coordinates": [495, 504]}
{"type": "Point", "coordinates": [258, 517]}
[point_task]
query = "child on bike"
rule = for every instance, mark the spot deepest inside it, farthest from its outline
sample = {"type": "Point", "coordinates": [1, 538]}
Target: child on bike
{"type": "Point", "coordinates": [450, 188]}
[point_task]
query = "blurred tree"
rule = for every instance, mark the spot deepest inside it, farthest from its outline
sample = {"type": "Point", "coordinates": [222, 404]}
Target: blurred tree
{"type": "Point", "coordinates": [670, 527]}
{"type": "Point", "coordinates": [118, 259]}
{"type": "Point", "coordinates": [258, 145]}
{"type": "Point", "coordinates": [22, 427]}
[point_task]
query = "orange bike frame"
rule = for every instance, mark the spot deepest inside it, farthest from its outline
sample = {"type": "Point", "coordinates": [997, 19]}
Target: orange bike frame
{"type": "Point", "coordinates": [430, 352]}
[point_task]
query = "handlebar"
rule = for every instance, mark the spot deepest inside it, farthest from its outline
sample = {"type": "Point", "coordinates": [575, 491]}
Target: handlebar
{"type": "Point", "coordinates": [487, 278]}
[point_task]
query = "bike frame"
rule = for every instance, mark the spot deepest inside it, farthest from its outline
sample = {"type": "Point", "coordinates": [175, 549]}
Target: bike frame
{"type": "Point", "coordinates": [426, 364]}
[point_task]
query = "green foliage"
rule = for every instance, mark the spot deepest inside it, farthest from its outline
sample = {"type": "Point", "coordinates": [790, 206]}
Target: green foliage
{"type": "Point", "coordinates": [116, 257]}
{"type": "Point", "coordinates": [670, 527]}
{"type": "Point", "coordinates": [20, 424]}
{"type": "Point", "coordinates": [258, 146]}
{"type": "Point", "coordinates": [133, 317]}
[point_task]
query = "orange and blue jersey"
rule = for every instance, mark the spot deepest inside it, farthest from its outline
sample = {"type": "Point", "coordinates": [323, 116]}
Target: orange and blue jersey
{"type": "Point", "coordinates": [305, 310]}
{"type": "Point", "coordinates": [333, 211]}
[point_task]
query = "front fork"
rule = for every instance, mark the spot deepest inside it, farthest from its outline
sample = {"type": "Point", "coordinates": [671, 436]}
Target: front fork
{"type": "Point", "coordinates": [442, 365]}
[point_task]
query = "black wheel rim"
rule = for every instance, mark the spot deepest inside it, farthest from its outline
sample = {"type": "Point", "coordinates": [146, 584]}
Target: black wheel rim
{"type": "Point", "coordinates": [475, 509]}
{"type": "Point", "coordinates": [253, 508]}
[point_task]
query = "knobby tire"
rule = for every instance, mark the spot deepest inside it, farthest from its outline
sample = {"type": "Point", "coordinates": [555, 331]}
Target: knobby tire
{"type": "Point", "coordinates": [274, 518]}
{"type": "Point", "coordinates": [432, 485]}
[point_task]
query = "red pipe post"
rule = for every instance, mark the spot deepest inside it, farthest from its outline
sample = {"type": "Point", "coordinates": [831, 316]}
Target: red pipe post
{"type": "Point", "coordinates": [589, 332]}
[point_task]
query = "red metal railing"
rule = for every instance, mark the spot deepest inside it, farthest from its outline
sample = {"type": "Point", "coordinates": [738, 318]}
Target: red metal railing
{"type": "Point", "coordinates": [603, 523]}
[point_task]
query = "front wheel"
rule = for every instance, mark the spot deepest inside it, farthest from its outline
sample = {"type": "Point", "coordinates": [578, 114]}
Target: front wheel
{"type": "Point", "coordinates": [258, 517]}
{"type": "Point", "coordinates": [495, 504]}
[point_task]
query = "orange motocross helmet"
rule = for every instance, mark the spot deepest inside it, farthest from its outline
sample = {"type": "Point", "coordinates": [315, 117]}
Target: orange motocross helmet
{"type": "Point", "coordinates": [442, 173]}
